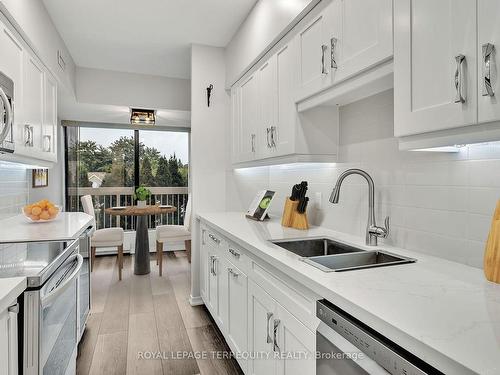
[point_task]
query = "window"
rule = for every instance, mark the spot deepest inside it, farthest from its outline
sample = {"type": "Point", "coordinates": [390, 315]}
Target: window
{"type": "Point", "coordinates": [110, 163]}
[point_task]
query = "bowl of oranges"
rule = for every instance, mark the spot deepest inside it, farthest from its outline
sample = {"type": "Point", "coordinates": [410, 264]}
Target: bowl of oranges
{"type": "Point", "coordinates": [41, 211]}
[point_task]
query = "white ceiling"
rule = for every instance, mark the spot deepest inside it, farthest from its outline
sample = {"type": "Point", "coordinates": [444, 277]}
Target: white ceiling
{"type": "Point", "coordinates": [144, 36]}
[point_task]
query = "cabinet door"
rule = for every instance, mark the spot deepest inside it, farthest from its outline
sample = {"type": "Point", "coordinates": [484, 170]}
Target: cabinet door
{"type": "Point", "coordinates": [488, 67]}
{"type": "Point", "coordinates": [261, 311]}
{"type": "Point", "coordinates": [4, 343]}
{"type": "Point", "coordinates": [298, 344]}
{"type": "Point", "coordinates": [249, 118]}
{"type": "Point", "coordinates": [49, 129]}
{"type": "Point", "coordinates": [236, 125]}
{"type": "Point", "coordinates": [11, 64]}
{"type": "Point", "coordinates": [267, 93]}
{"type": "Point", "coordinates": [313, 56]}
{"type": "Point", "coordinates": [363, 35]}
{"type": "Point", "coordinates": [33, 103]}
{"type": "Point", "coordinates": [283, 133]}
{"type": "Point", "coordinates": [433, 88]}
{"type": "Point", "coordinates": [237, 329]}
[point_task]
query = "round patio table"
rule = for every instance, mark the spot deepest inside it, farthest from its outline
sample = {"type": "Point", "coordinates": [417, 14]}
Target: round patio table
{"type": "Point", "coordinates": [141, 260]}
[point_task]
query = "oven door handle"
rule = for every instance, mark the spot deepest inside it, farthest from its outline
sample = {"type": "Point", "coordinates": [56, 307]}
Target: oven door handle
{"type": "Point", "coordinates": [65, 284]}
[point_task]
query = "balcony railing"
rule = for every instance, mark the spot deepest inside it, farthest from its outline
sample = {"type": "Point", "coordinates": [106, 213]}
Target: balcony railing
{"type": "Point", "coordinates": [105, 197]}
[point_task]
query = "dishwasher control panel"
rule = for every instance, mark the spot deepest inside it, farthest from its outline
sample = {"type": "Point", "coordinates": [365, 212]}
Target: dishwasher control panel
{"type": "Point", "coordinates": [387, 354]}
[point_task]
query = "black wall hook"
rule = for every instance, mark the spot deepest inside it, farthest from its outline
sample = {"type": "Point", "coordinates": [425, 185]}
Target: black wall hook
{"type": "Point", "coordinates": [209, 93]}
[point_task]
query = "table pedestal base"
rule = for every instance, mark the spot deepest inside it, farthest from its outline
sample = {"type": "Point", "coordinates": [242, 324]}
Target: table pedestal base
{"type": "Point", "coordinates": [141, 261]}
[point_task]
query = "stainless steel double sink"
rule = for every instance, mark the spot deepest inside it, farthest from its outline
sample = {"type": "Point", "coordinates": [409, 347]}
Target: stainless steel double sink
{"type": "Point", "coordinates": [331, 256]}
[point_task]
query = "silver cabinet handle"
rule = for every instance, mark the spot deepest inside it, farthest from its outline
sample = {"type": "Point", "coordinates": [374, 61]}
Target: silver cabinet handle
{"type": "Point", "coordinates": [273, 133]}
{"type": "Point", "coordinates": [213, 238]}
{"type": "Point", "coordinates": [276, 324]}
{"type": "Point", "coordinates": [253, 142]}
{"type": "Point", "coordinates": [232, 272]}
{"type": "Point", "coordinates": [212, 264]}
{"type": "Point", "coordinates": [460, 79]}
{"type": "Point", "coordinates": [269, 339]}
{"type": "Point", "coordinates": [333, 46]}
{"type": "Point", "coordinates": [216, 271]}
{"type": "Point", "coordinates": [488, 50]}
{"type": "Point", "coordinates": [323, 53]}
{"type": "Point", "coordinates": [28, 135]}
{"type": "Point", "coordinates": [47, 143]}
{"type": "Point", "coordinates": [234, 252]}
{"type": "Point", "coordinates": [268, 131]}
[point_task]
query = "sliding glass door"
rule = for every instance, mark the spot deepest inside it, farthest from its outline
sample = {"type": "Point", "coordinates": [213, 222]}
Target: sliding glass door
{"type": "Point", "coordinates": [110, 163]}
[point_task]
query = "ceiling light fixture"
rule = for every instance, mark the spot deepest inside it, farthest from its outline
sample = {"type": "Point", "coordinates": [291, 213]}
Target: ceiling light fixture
{"type": "Point", "coordinates": [142, 116]}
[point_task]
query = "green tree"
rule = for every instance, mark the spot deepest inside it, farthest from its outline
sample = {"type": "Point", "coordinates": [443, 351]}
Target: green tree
{"type": "Point", "coordinates": [175, 175]}
{"type": "Point", "coordinates": [146, 173]}
{"type": "Point", "coordinates": [163, 173]}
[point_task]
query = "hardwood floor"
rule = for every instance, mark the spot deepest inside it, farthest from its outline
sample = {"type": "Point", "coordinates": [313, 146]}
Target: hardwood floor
{"type": "Point", "coordinates": [139, 324]}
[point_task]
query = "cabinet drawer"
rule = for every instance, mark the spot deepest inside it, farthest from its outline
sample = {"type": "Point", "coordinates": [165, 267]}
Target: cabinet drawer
{"type": "Point", "coordinates": [237, 257]}
{"type": "Point", "coordinates": [296, 299]}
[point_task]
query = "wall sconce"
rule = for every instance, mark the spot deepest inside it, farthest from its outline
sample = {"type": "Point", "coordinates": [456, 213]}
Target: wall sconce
{"type": "Point", "coordinates": [142, 116]}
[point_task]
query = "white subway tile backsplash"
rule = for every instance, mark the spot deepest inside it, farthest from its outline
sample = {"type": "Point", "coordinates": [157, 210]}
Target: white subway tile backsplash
{"type": "Point", "coordinates": [439, 203]}
{"type": "Point", "coordinates": [14, 189]}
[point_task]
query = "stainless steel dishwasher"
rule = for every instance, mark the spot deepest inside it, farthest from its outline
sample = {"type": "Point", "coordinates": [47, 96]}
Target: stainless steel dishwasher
{"type": "Point", "coordinates": [347, 346]}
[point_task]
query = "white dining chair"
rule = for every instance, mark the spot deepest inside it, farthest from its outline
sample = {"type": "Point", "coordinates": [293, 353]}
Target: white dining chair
{"type": "Point", "coordinates": [174, 233]}
{"type": "Point", "coordinates": [108, 237]}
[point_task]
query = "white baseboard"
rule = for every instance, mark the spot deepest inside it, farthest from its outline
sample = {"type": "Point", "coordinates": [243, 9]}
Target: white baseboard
{"type": "Point", "coordinates": [195, 301]}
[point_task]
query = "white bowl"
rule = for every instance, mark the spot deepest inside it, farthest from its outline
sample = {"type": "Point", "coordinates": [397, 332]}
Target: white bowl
{"type": "Point", "coordinates": [41, 220]}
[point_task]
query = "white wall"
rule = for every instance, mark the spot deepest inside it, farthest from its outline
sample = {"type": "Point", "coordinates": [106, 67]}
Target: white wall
{"type": "Point", "coordinates": [37, 27]}
{"type": "Point", "coordinates": [439, 203]}
{"type": "Point", "coordinates": [96, 86]}
{"type": "Point", "coordinates": [208, 141]}
{"type": "Point", "coordinates": [264, 25]}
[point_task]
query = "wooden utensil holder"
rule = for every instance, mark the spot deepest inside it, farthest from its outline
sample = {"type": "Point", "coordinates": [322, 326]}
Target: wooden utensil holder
{"type": "Point", "coordinates": [492, 252]}
{"type": "Point", "coordinates": [292, 218]}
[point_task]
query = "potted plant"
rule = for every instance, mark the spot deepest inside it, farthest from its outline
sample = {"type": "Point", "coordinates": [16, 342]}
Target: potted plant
{"type": "Point", "coordinates": [142, 194]}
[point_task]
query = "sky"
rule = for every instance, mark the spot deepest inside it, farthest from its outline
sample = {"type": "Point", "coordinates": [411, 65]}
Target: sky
{"type": "Point", "coordinates": [165, 142]}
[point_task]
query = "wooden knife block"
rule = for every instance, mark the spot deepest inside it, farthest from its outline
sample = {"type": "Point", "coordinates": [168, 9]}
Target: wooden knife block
{"type": "Point", "coordinates": [292, 218]}
{"type": "Point", "coordinates": [492, 252]}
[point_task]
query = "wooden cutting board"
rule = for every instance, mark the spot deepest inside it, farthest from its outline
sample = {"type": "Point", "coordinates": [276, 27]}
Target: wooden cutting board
{"type": "Point", "coordinates": [492, 252]}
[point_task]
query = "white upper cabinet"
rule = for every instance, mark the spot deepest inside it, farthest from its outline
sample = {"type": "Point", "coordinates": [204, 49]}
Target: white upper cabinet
{"type": "Point", "coordinates": [49, 127]}
{"type": "Point", "coordinates": [435, 84]}
{"type": "Point", "coordinates": [267, 98]}
{"type": "Point", "coordinates": [283, 132]}
{"type": "Point", "coordinates": [33, 109]}
{"type": "Point", "coordinates": [249, 116]}
{"type": "Point", "coordinates": [314, 64]}
{"type": "Point", "coordinates": [360, 35]}
{"type": "Point", "coordinates": [35, 99]}
{"type": "Point", "coordinates": [489, 62]}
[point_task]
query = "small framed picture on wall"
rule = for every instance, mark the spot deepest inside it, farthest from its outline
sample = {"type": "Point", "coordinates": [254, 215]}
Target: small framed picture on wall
{"type": "Point", "coordinates": [40, 178]}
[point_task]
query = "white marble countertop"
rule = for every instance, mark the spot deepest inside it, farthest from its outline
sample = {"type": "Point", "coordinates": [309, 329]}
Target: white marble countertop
{"type": "Point", "coordinates": [446, 313]}
{"type": "Point", "coordinates": [67, 225]}
{"type": "Point", "coordinates": [10, 289]}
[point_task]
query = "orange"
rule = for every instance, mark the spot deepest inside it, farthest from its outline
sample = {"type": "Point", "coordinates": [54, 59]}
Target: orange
{"type": "Point", "coordinates": [27, 210]}
{"type": "Point", "coordinates": [45, 215]}
{"type": "Point", "coordinates": [35, 217]}
{"type": "Point", "coordinates": [53, 211]}
{"type": "Point", "coordinates": [36, 210]}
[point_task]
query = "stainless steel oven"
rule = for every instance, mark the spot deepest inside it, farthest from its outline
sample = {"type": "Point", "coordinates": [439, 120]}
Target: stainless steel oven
{"type": "Point", "coordinates": [346, 346]}
{"type": "Point", "coordinates": [48, 309]}
{"type": "Point", "coordinates": [6, 114]}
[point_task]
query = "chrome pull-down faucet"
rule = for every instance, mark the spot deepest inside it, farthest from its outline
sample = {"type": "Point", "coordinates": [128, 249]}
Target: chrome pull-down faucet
{"type": "Point", "coordinates": [372, 230]}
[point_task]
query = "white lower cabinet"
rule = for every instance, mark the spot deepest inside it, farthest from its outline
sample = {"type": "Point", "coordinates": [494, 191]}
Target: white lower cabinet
{"type": "Point", "coordinates": [8, 341]}
{"type": "Point", "coordinates": [286, 346]}
{"type": "Point", "coordinates": [266, 338]}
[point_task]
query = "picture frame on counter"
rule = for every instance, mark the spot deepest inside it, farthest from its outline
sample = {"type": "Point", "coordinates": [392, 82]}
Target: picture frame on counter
{"type": "Point", "coordinates": [40, 178]}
